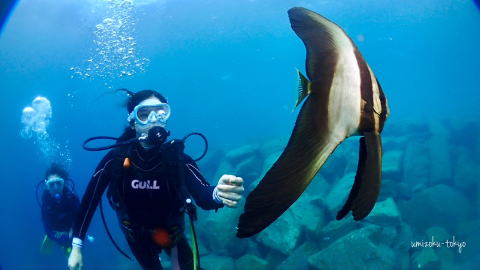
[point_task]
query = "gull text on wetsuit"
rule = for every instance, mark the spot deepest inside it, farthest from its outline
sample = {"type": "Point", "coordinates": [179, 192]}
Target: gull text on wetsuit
{"type": "Point", "coordinates": [137, 184]}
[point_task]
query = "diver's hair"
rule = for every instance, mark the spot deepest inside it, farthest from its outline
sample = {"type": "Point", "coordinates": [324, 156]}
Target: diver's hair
{"type": "Point", "coordinates": [126, 91]}
{"type": "Point", "coordinates": [135, 98]}
{"type": "Point", "coordinates": [128, 133]}
{"type": "Point", "coordinates": [57, 169]}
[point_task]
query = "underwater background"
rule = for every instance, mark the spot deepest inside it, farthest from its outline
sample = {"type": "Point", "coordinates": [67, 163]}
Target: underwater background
{"type": "Point", "coordinates": [228, 71]}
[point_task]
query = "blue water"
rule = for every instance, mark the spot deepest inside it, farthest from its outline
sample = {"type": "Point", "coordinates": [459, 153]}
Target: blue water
{"type": "Point", "coordinates": [228, 71]}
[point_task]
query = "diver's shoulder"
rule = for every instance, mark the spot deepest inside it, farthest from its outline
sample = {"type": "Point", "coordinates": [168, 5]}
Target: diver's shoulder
{"type": "Point", "coordinates": [118, 152]}
{"type": "Point", "coordinates": [113, 157]}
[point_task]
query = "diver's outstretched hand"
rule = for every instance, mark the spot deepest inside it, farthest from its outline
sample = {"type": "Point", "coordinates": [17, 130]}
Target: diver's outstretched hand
{"type": "Point", "coordinates": [75, 260]}
{"type": "Point", "coordinates": [229, 190]}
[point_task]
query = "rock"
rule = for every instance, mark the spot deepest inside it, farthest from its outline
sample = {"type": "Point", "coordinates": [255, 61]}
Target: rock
{"type": "Point", "coordinates": [336, 229]}
{"type": "Point", "coordinates": [346, 155]}
{"type": "Point", "coordinates": [467, 174]}
{"type": "Point", "coordinates": [469, 233]}
{"type": "Point", "coordinates": [425, 258]}
{"type": "Point", "coordinates": [273, 146]}
{"type": "Point", "coordinates": [221, 237]}
{"type": "Point", "coordinates": [350, 154]}
{"type": "Point", "coordinates": [213, 262]}
{"type": "Point", "coordinates": [307, 212]}
{"type": "Point", "coordinates": [392, 164]}
{"type": "Point", "coordinates": [296, 260]}
{"type": "Point", "coordinates": [250, 262]}
{"type": "Point", "coordinates": [392, 188]}
{"type": "Point", "coordinates": [355, 251]}
{"type": "Point", "coordinates": [439, 204]}
{"type": "Point", "coordinates": [397, 239]}
{"type": "Point", "coordinates": [402, 243]}
{"type": "Point", "coordinates": [202, 249]}
{"type": "Point", "coordinates": [274, 258]}
{"type": "Point", "coordinates": [209, 166]}
{"type": "Point", "coordinates": [318, 187]}
{"type": "Point", "coordinates": [385, 236]}
{"type": "Point", "coordinates": [237, 155]}
{"type": "Point", "coordinates": [435, 257]}
{"type": "Point", "coordinates": [395, 142]}
{"type": "Point", "coordinates": [440, 161]}
{"type": "Point", "coordinates": [253, 248]}
{"type": "Point", "coordinates": [416, 164]}
{"type": "Point", "coordinates": [281, 235]}
{"type": "Point", "coordinates": [249, 169]}
{"type": "Point", "coordinates": [338, 194]}
{"type": "Point", "coordinates": [446, 255]}
{"type": "Point", "coordinates": [267, 164]}
{"type": "Point", "coordinates": [385, 213]}
{"type": "Point", "coordinates": [438, 233]}
{"type": "Point", "coordinates": [269, 161]}
{"type": "Point", "coordinates": [224, 168]}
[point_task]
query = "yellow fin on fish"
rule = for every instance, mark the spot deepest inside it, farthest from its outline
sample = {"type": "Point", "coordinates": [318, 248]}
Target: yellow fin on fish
{"type": "Point", "coordinates": [303, 88]}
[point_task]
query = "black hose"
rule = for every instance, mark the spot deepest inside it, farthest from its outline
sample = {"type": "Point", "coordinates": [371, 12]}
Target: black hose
{"type": "Point", "coordinates": [109, 234]}
{"type": "Point", "coordinates": [204, 139]}
{"type": "Point", "coordinates": [84, 145]}
{"type": "Point", "coordinates": [36, 192]}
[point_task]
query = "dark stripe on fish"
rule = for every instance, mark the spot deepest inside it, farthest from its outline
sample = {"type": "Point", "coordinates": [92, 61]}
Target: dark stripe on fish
{"type": "Point", "coordinates": [384, 112]}
{"type": "Point", "coordinates": [367, 119]}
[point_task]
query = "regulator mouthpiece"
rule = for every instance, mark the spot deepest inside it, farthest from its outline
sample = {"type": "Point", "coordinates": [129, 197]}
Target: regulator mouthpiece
{"type": "Point", "coordinates": [157, 136]}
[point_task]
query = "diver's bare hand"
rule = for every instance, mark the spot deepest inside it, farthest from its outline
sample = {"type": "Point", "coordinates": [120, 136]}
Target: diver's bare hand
{"type": "Point", "coordinates": [229, 190]}
{"type": "Point", "coordinates": [75, 260]}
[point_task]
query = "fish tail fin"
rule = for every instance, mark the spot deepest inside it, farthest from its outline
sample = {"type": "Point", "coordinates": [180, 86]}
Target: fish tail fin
{"type": "Point", "coordinates": [303, 88]}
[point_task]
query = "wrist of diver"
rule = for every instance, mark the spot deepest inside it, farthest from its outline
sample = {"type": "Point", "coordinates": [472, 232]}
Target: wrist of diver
{"type": "Point", "coordinates": [77, 243]}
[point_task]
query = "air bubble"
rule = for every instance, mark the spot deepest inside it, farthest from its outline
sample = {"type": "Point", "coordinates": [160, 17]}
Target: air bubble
{"type": "Point", "coordinates": [114, 54]}
{"type": "Point", "coordinates": [35, 120]}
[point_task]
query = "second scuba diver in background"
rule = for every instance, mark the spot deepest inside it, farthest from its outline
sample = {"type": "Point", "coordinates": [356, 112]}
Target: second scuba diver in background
{"type": "Point", "coordinates": [150, 184]}
{"type": "Point", "coordinates": [59, 206]}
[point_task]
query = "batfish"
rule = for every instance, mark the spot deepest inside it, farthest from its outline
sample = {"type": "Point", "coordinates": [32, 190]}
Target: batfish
{"type": "Point", "coordinates": [341, 98]}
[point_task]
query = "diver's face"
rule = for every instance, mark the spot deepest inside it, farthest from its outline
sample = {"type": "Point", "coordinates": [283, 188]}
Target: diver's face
{"type": "Point", "coordinates": [145, 120]}
{"type": "Point", "coordinates": [55, 184]}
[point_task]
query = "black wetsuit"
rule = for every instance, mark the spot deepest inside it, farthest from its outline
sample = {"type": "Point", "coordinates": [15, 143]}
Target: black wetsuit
{"type": "Point", "coordinates": [148, 194]}
{"type": "Point", "coordinates": [58, 216]}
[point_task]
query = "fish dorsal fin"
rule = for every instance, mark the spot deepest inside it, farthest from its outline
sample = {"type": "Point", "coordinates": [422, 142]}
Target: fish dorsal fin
{"type": "Point", "coordinates": [303, 88]}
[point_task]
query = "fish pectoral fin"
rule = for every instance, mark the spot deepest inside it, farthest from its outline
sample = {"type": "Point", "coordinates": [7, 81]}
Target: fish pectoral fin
{"type": "Point", "coordinates": [365, 189]}
{"type": "Point", "coordinates": [303, 88]}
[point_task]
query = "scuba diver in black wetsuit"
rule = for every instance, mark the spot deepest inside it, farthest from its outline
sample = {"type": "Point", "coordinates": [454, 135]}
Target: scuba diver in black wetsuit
{"type": "Point", "coordinates": [148, 187]}
{"type": "Point", "coordinates": [59, 206]}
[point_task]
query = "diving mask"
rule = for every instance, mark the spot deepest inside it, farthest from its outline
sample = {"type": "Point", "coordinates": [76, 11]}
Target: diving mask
{"type": "Point", "coordinates": [53, 182]}
{"type": "Point", "coordinates": [150, 113]}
